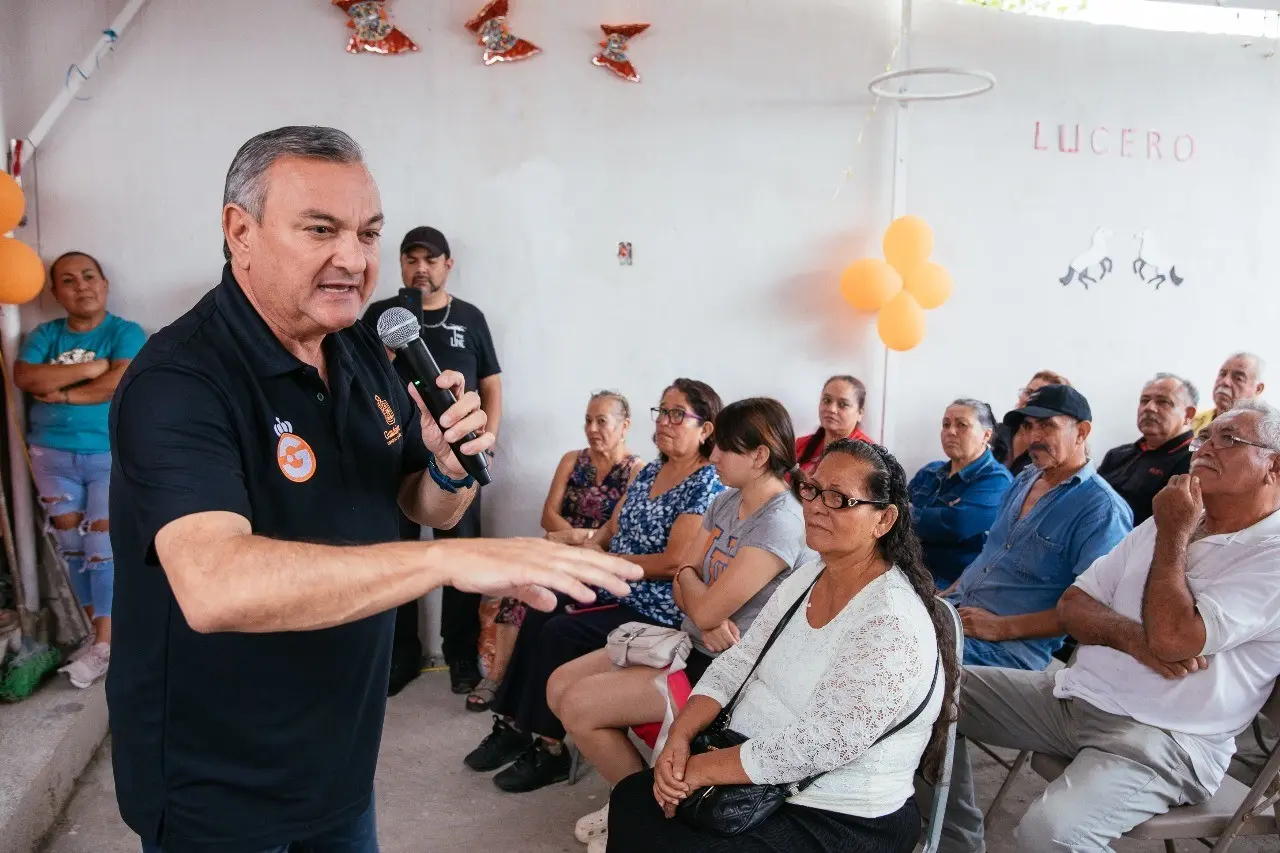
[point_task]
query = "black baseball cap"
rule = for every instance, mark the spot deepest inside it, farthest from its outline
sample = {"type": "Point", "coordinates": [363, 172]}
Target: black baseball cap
{"type": "Point", "coordinates": [423, 237]}
{"type": "Point", "coordinates": [1048, 401]}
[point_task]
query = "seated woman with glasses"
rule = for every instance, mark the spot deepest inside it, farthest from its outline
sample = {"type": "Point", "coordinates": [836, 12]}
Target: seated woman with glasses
{"type": "Point", "coordinates": [855, 690]}
{"type": "Point", "coordinates": [654, 525]}
{"type": "Point", "coordinates": [586, 487]}
{"type": "Point", "coordinates": [954, 501]}
{"type": "Point", "coordinates": [840, 408]}
{"type": "Point", "coordinates": [753, 537]}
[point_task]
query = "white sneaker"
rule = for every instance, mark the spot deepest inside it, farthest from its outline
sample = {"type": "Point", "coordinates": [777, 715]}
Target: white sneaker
{"type": "Point", "coordinates": [81, 650]}
{"type": "Point", "coordinates": [592, 826]}
{"type": "Point", "coordinates": [90, 666]}
{"type": "Point", "coordinates": [599, 844]}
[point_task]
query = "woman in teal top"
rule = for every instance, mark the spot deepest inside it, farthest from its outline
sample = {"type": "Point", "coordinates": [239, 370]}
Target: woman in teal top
{"type": "Point", "coordinates": [71, 366]}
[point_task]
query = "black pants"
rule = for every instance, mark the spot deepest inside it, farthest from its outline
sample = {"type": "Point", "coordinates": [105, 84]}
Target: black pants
{"type": "Point", "coordinates": [460, 611]}
{"type": "Point", "coordinates": [637, 825]}
{"type": "Point", "coordinates": [545, 641]}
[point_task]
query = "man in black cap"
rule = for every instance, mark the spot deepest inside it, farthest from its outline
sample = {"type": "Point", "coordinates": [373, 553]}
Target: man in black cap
{"type": "Point", "coordinates": [456, 333]}
{"type": "Point", "coordinates": [1058, 517]}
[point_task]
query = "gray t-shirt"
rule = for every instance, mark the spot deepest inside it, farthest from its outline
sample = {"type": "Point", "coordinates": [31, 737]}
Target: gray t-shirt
{"type": "Point", "coordinates": [776, 527]}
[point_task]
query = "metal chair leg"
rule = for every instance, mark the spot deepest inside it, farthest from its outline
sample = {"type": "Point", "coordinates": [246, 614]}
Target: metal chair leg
{"type": "Point", "coordinates": [1018, 763]}
{"type": "Point", "coordinates": [575, 763]}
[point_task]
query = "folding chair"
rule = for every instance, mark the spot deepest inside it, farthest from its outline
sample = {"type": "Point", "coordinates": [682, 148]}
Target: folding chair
{"type": "Point", "coordinates": [942, 788]}
{"type": "Point", "coordinates": [1232, 812]}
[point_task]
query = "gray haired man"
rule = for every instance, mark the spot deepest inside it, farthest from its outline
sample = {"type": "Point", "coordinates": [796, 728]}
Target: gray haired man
{"type": "Point", "coordinates": [1179, 631]}
{"type": "Point", "coordinates": [1139, 470]}
{"type": "Point", "coordinates": [1239, 379]}
{"type": "Point", "coordinates": [263, 452]}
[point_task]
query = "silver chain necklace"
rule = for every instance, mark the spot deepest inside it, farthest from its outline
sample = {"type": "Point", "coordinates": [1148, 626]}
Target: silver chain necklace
{"type": "Point", "coordinates": [448, 306]}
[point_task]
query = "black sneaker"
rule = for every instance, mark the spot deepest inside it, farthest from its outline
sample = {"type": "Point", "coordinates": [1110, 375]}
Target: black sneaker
{"type": "Point", "coordinates": [501, 746]}
{"type": "Point", "coordinates": [464, 675]}
{"type": "Point", "coordinates": [536, 768]}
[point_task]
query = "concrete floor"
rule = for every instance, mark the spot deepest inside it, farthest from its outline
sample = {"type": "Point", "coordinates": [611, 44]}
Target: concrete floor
{"type": "Point", "coordinates": [428, 801]}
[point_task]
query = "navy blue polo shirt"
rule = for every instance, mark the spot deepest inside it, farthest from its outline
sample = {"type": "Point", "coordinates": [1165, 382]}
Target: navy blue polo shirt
{"type": "Point", "coordinates": [230, 742]}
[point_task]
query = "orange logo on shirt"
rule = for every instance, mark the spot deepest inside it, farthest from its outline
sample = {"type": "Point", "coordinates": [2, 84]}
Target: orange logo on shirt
{"type": "Point", "coordinates": [387, 413]}
{"type": "Point", "coordinates": [296, 458]}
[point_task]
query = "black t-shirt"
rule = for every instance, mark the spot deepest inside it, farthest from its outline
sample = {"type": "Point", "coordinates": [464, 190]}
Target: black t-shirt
{"type": "Point", "coordinates": [1137, 472]}
{"type": "Point", "coordinates": [457, 336]}
{"type": "Point", "coordinates": [234, 742]}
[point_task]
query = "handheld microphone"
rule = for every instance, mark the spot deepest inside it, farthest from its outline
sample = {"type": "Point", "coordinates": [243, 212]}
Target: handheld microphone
{"type": "Point", "coordinates": [400, 332]}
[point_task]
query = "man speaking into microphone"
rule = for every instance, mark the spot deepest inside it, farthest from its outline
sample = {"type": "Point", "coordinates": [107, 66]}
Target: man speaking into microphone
{"type": "Point", "coordinates": [262, 445]}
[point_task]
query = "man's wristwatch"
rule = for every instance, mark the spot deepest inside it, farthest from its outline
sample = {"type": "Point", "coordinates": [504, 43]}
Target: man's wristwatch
{"type": "Point", "coordinates": [444, 481]}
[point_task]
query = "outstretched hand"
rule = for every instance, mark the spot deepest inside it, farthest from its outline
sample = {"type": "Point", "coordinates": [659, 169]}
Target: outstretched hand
{"type": "Point", "coordinates": [534, 570]}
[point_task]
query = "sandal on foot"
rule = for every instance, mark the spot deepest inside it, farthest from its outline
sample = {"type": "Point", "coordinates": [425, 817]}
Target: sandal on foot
{"type": "Point", "coordinates": [482, 695]}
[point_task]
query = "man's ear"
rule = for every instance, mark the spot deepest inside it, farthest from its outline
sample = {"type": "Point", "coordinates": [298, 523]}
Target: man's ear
{"type": "Point", "coordinates": [1083, 429]}
{"type": "Point", "coordinates": [237, 230]}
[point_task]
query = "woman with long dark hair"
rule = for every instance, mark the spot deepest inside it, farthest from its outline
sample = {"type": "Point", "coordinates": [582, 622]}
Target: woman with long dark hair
{"type": "Point", "coordinates": [840, 408]}
{"type": "Point", "coordinates": [869, 648]}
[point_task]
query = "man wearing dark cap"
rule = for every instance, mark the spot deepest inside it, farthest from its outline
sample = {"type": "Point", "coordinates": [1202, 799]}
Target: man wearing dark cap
{"type": "Point", "coordinates": [456, 333]}
{"type": "Point", "coordinates": [1058, 517]}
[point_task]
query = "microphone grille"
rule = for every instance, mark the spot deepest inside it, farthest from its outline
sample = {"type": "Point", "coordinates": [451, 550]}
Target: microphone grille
{"type": "Point", "coordinates": [397, 326]}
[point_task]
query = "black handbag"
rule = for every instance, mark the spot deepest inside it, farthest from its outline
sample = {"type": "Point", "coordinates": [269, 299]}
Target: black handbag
{"type": "Point", "coordinates": [733, 809]}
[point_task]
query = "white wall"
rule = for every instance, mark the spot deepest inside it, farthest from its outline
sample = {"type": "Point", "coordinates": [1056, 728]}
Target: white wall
{"type": "Point", "coordinates": [1008, 218]}
{"type": "Point", "coordinates": [720, 169]}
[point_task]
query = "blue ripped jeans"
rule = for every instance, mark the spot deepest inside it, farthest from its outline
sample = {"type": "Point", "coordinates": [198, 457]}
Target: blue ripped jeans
{"type": "Point", "coordinates": [80, 483]}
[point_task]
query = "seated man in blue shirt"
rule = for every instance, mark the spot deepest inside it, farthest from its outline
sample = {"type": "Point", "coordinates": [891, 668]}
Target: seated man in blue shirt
{"type": "Point", "coordinates": [1058, 518]}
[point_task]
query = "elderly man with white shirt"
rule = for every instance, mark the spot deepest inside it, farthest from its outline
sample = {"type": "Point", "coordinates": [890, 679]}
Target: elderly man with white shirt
{"type": "Point", "coordinates": [1179, 631]}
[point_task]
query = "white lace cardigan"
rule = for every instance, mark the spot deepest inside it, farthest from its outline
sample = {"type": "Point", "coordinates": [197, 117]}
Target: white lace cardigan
{"type": "Point", "coordinates": [822, 696]}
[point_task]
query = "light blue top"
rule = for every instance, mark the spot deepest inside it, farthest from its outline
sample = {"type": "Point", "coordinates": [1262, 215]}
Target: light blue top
{"type": "Point", "coordinates": [1027, 563]}
{"type": "Point", "coordinates": [61, 426]}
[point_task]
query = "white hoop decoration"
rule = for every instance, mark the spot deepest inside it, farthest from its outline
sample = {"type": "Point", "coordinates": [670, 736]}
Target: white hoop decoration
{"type": "Point", "coordinates": [986, 81]}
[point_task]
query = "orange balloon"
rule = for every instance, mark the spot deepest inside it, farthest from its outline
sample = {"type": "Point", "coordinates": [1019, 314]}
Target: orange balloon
{"type": "Point", "coordinates": [907, 244]}
{"type": "Point", "coordinates": [901, 323]}
{"type": "Point", "coordinates": [12, 203]}
{"type": "Point", "coordinates": [930, 284]}
{"type": "Point", "coordinates": [21, 272]}
{"type": "Point", "coordinates": [869, 283]}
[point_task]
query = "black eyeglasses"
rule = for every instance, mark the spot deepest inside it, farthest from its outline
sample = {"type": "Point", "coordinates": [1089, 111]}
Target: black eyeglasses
{"type": "Point", "coordinates": [673, 416]}
{"type": "Point", "coordinates": [832, 499]}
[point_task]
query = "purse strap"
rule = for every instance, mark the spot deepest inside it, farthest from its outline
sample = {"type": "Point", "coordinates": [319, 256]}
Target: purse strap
{"type": "Point", "coordinates": [933, 684]}
{"type": "Point", "coordinates": [727, 711]}
{"type": "Point", "coordinates": [722, 719]}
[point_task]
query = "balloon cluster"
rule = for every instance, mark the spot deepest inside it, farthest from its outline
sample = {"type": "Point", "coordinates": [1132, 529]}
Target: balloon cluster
{"type": "Point", "coordinates": [901, 285]}
{"type": "Point", "coordinates": [21, 271]}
